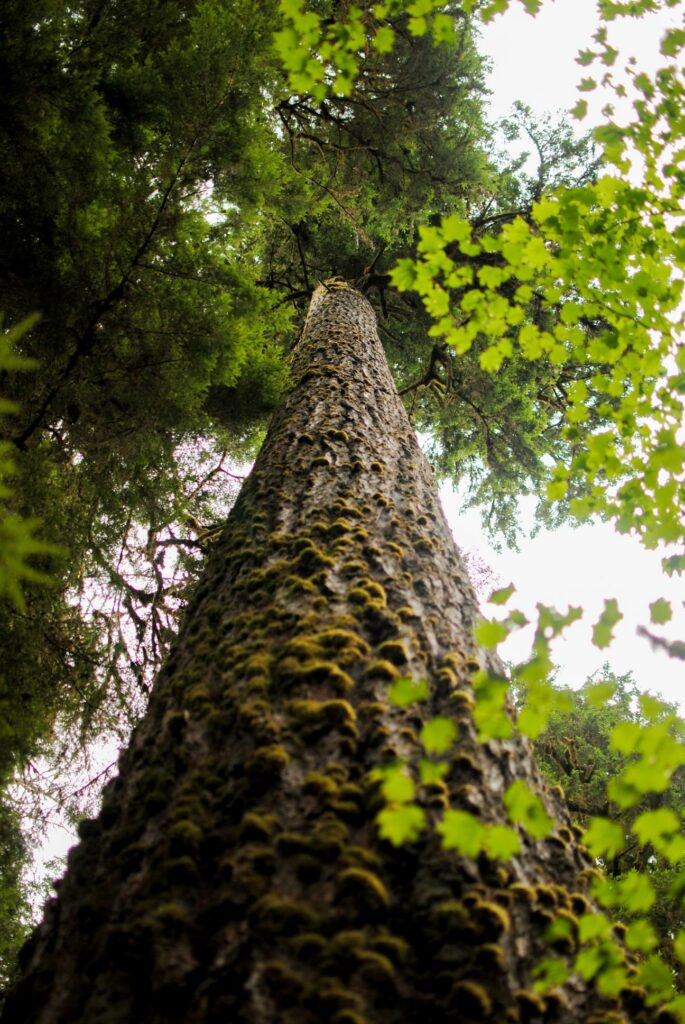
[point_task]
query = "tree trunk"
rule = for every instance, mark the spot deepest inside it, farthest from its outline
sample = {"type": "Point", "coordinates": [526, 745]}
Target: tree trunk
{"type": "Point", "coordinates": [235, 872]}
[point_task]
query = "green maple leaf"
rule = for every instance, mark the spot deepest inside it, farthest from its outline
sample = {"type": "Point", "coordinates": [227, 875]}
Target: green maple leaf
{"type": "Point", "coordinates": [603, 630]}
{"type": "Point", "coordinates": [401, 824]}
{"type": "Point", "coordinates": [438, 735]}
{"type": "Point", "coordinates": [604, 838]}
{"type": "Point", "coordinates": [660, 611]}
{"type": "Point", "coordinates": [404, 692]}
{"type": "Point", "coordinates": [462, 832]}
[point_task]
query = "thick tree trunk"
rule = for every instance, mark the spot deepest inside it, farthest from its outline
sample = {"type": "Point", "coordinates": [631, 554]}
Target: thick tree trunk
{"type": "Point", "coordinates": [235, 872]}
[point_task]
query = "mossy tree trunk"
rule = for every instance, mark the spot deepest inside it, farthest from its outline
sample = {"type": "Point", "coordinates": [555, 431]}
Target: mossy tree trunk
{"type": "Point", "coordinates": [235, 872]}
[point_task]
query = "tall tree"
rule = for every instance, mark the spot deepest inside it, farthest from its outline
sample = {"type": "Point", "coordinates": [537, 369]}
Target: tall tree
{"type": "Point", "coordinates": [166, 206]}
{"type": "Point", "coordinates": [236, 869]}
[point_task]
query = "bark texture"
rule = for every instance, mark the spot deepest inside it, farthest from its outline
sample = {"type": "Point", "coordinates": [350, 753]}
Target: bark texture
{"type": "Point", "coordinates": [235, 872]}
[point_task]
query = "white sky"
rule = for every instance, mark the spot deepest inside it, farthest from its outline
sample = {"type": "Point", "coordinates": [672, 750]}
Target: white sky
{"type": "Point", "coordinates": [534, 58]}
{"type": "Point", "coordinates": [534, 61]}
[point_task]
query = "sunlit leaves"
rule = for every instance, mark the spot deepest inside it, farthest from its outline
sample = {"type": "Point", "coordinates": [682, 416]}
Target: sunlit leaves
{"type": "Point", "coordinates": [402, 824]}
{"type": "Point", "coordinates": [525, 808]}
{"type": "Point", "coordinates": [641, 936]}
{"type": "Point", "coordinates": [598, 694]}
{"type": "Point", "coordinates": [491, 633]}
{"type": "Point", "coordinates": [396, 784]}
{"type": "Point", "coordinates": [590, 248]}
{"type": "Point", "coordinates": [405, 692]}
{"type": "Point", "coordinates": [662, 829]}
{"type": "Point", "coordinates": [673, 42]}
{"type": "Point", "coordinates": [593, 926]}
{"type": "Point", "coordinates": [603, 630]}
{"type": "Point", "coordinates": [603, 963]}
{"type": "Point", "coordinates": [432, 771]}
{"type": "Point", "coordinates": [550, 974]}
{"type": "Point", "coordinates": [403, 274]}
{"type": "Point", "coordinates": [466, 834]}
{"type": "Point", "coordinates": [401, 821]}
{"type": "Point", "coordinates": [679, 945]}
{"type": "Point", "coordinates": [660, 611]}
{"type": "Point", "coordinates": [463, 832]}
{"type": "Point", "coordinates": [654, 974]}
{"type": "Point", "coordinates": [322, 56]}
{"type": "Point", "coordinates": [384, 39]}
{"type": "Point", "coordinates": [654, 826]}
{"type": "Point", "coordinates": [501, 842]}
{"type": "Point", "coordinates": [604, 838]}
{"type": "Point", "coordinates": [674, 564]}
{"type": "Point", "coordinates": [501, 596]}
{"type": "Point", "coordinates": [438, 735]}
{"type": "Point", "coordinates": [491, 715]}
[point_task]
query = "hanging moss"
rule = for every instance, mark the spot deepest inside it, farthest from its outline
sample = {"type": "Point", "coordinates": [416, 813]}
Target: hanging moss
{"type": "Point", "coordinates": [258, 826]}
{"type": "Point", "coordinates": [491, 957]}
{"type": "Point", "coordinates": [172, 916]}
{"type": "Point", "coordinates": [580, 904]}
{"type": "Point", "coordinates": [471, 1001]}
{"type": "Point", "coordinates": [360, 856]}
{"type": "Point", "coordinates": [308, 946]}
{"type": "Point", "coordinates": [277, 916]}
{"type": "Point", "coordinates": [296, 586]}
{"type": "Point", "coordinates": [366, 592]}
{"type": "Point", "coordinates": [198, 696]}
{"type": "Point", "coordinates": [313, 715]}
{"type": "Point", "coordinates": [329, 838]}
{"type": "Point", "coordinates": [317, 784]}
{"type": "Point", "coordinates": [181, 870]}
{"type": "Point", "coordinates": [293, 672]}
{"type": "Point", "coordinates": [285, 985]}
{"type": "Point", "coordinates": [348, 1017]}
{"type": "Point", "coordinates": [382, 669]}
{"type": "Point", "coordinates": [267, 763]}
{"type": "Point", "coordinates": [376, 968]}
{"type": "Point", "coordinates": [311, 560]}
{"type": "Point", "coordinates": [531, 1006]}
{"type": "Point", "coordinates": [258, 664]}
{"type": "Point", "coordinates": [453, 919]}
{"type": "Point", "coordinates": [407, 614]}
{"type": "Point", "coordinates": [340, 640]}
{"type": "Point", "coordinates": [365, 887]}
{"type": "Point", "coordinates": [184, 836]}
{"type": "Point", "coordinates": [393, 651]}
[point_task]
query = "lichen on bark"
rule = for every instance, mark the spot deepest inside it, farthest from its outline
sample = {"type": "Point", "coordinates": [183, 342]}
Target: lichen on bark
{"type": "Point", "coordinates": [236, 871]}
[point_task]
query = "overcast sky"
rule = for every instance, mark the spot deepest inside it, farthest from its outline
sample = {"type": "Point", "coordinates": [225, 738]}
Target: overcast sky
{"type": "Point", "coordinates": [533, 60]}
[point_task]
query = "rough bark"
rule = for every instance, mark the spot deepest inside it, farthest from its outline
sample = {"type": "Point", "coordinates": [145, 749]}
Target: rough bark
{"type": "Point", "coordinates": [235, 871]}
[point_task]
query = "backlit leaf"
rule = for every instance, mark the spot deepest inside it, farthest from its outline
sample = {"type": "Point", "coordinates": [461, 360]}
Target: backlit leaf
{"type": "Point", "coordinates": [401, 825]}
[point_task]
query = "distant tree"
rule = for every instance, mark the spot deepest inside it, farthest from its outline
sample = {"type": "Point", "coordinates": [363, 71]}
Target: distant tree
{"type": "Point", "coordinates": [577, 752]}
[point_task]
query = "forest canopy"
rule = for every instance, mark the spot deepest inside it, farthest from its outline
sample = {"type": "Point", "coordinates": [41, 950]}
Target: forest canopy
{"type": "Point", "coordinates": [177, 180]}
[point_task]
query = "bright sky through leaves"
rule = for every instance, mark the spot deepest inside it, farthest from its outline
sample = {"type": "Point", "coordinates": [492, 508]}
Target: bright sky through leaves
{"type": "Point", "coordinates": [580, 566]}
